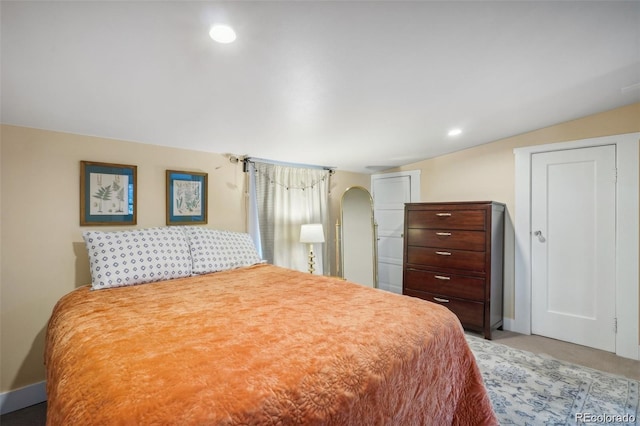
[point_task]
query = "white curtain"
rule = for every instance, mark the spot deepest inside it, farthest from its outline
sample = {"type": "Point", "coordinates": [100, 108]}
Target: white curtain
{"type": "Point", "coordinates": [281, 199]}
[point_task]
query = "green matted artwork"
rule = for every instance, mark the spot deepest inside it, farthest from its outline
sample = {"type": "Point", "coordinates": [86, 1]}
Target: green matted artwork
{"type": "Point", "coordinates": [107, 194]}
{"type": "Point", "coordinates": [186, 198]}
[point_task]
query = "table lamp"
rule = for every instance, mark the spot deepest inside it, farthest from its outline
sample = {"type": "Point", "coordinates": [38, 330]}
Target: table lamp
{"type": "Point", "coordinates": [311, 233]}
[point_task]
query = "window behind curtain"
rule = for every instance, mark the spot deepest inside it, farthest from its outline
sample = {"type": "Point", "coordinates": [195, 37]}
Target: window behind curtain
{"type": "Point", "coordinates": [281, 199]}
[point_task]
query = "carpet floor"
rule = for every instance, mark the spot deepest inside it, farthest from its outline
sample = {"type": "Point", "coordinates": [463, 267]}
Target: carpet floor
{"type": "Point", "coordinates": [529, 389]}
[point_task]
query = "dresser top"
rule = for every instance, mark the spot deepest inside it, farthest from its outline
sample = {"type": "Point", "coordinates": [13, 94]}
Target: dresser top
{"type": "Point", "coordinates": [457, 203]}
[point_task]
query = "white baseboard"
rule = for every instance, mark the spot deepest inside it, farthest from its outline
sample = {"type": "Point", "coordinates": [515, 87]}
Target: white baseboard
{"type": "Point", "coordinates": [508, 324]}
{"type": "Point", "coordinates": [23, 397]}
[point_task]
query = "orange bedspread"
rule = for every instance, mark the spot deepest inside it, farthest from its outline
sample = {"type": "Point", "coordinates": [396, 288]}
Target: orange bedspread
{"type": "Point", "coordinates": [258, 345]}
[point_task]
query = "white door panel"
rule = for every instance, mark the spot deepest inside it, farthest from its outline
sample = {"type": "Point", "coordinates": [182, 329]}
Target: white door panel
{"type": "Point", "coordinates": [573, 246]}
{"type": "Point", "coordinates": [391, 278]}
{"type": "Point", "coordinates": [390, 247]}
{"type": "Point", "coordinates": [390, 192]}
{"type": "Point", "coordinates": [390, 222]}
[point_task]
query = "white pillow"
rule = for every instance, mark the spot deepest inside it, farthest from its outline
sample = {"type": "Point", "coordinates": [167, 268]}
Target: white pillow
{"type": "Point", "coordinates": [136, 256]}
{"type": "Point", "coordinates": [213, 250]}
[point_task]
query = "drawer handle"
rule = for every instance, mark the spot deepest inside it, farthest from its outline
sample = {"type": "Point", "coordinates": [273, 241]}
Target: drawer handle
{"type": "Point", "coordinates": [444, 234]}
{"type": "Point", "coordinates": [441, 277]}
{"type": "Point", "coordinates": [441, 300]}
{"type": "Point", "coordinates": [443, 214]}
{"type": "Point", "coordinates": [443, 253]}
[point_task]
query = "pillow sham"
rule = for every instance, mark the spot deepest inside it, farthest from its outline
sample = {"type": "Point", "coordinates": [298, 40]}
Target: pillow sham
{"type": "Point", "coordinates": [137, 256]}
{"type": "Point", "coordinates": [214, 250]}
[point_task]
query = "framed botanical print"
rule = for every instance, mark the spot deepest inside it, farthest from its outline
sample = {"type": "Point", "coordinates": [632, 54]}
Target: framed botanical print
{"type": "Point", "coordinates": [107, 194]}
{"type": "Point", "coordinates": [186, 198]}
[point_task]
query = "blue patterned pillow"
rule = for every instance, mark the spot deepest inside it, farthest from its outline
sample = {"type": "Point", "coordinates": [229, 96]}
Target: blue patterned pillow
{"type": "Point", "coordinates": [213, 250]}
{"type": "Point", "coordinates": [137, 256]}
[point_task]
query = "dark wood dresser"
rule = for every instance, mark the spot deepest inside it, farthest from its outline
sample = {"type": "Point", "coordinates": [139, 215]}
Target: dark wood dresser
{"type": "Point", "coordinates": [453, 256]}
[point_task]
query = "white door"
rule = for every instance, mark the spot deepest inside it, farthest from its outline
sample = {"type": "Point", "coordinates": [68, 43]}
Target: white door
{"type": "Point", "coordinates": [573, 245]}
{"type": "Point", "coordinates": [390, 192]}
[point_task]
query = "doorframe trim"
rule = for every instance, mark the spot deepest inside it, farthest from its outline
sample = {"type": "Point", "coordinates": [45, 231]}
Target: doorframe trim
{"type": "Point", "coordinates": [627, 236]}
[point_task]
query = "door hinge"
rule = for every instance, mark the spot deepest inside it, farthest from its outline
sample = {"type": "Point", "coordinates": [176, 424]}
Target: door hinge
{"type": "Point", "coordinates": [615, 175]}
{"type": "Point", "coordinates": [615, 325]}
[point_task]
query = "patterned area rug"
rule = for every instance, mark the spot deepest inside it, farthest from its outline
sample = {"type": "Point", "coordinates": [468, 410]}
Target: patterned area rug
{"type": "Point", "coordinates": [529, 389]}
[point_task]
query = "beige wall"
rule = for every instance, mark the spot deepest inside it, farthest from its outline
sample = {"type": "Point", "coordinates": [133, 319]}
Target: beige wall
{"type": "Point", "coordinates": [487, 172]}
{"type": "Point", "coordinates": [43, 254]}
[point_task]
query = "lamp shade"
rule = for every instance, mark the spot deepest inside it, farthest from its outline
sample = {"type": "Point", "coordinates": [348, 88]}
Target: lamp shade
{"type": "Point", "coordinates": [312, 233]}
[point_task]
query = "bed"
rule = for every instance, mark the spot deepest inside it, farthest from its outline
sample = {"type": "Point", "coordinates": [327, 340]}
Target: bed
{"type": "Point", "coordinates": [256, 344]}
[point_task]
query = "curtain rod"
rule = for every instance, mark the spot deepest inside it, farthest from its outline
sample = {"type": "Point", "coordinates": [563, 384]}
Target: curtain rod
{"type": "Point", "coordinates": [282, 163]}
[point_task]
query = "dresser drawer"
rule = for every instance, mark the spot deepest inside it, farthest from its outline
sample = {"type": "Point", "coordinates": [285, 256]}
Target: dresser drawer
{"type": "Point", "coordinates": [445, 284]}
{"type": "Point", "coordinates": [445, 258]}
{"type": "Point", "coordinates": [470, 314]}
{"type": "Point", "coordinates": [447, 238]}
{"type": "Point", "coordinates": [447, 219]}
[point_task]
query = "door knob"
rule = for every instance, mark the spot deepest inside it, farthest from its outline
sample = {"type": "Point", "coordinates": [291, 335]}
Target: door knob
{"type": "Point", "coordinates": [541, 238]}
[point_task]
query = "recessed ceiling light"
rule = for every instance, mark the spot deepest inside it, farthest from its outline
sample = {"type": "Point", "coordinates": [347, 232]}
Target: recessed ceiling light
{"type": "Point", "coordinates": [222, 34]}
{"type": "Point", "coordinates": [454, 132]}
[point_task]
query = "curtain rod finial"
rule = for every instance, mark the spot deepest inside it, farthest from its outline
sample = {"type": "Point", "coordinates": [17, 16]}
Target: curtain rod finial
{"type": "Point", "coordinates": [235, 159]}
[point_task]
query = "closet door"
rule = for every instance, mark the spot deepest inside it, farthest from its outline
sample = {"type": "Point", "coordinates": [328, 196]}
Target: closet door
{"type": "Point", "coordinates": [391, 192]}
{"type": "Point", "coordinates": [573, 247]}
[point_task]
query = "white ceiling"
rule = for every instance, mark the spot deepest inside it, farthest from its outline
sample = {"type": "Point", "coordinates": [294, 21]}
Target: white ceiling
{"type": "Point", "coordinates": [350, 84]}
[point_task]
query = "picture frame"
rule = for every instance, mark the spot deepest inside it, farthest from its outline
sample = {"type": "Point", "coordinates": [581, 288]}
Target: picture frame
{"type": "Point", "coordinates": [187, 201]}
{"type": "Point", "coordinates": [108, 194]}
